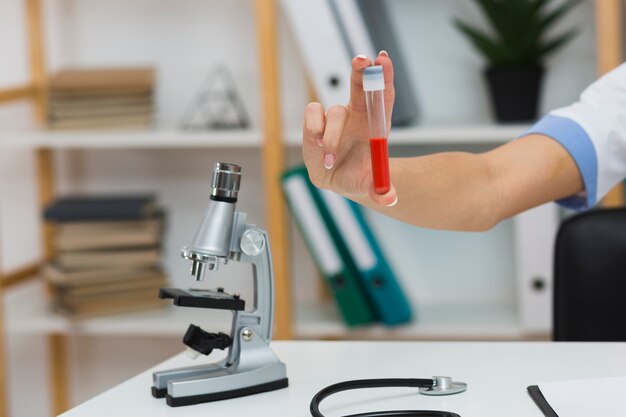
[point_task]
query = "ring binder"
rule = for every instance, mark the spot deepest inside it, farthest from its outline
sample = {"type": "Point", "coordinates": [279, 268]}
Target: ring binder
{"type": "Point", "coordinates": [345, 249]}
{"type": "Point", "coordinates": [344, 285]}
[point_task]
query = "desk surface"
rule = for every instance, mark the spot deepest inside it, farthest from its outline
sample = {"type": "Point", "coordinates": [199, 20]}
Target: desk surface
{"type": "Point", "coordinates": [497, 374]}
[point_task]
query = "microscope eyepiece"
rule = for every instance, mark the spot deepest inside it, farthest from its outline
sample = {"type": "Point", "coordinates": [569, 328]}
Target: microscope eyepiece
{"type": "Point", "coordinates": [225, 182]}
{"type": "Point", "coordinates": [212, 243]}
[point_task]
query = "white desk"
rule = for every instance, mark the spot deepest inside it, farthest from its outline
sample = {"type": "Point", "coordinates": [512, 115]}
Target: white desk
{"type": "Point", "coordinates": [497, 374]}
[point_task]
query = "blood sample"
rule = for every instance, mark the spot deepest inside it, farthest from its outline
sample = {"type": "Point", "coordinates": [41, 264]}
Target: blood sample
{"type": "Point", "coordinates": [374, 88]}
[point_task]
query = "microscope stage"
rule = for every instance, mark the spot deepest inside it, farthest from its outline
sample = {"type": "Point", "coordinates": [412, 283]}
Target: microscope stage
{"type": "Point", "coordinates": [218, 300]}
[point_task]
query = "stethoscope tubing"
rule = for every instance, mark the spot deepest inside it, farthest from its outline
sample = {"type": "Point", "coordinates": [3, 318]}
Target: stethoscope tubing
{"type": "Point", "coordinates": [378, 383]}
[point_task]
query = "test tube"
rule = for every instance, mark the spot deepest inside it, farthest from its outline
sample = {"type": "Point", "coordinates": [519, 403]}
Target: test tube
{"type": "Point", "coordinates": [374, 88]}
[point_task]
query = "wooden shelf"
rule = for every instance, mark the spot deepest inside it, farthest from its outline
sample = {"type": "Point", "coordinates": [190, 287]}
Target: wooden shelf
{"type": "Point", "coordinates": [27, 312]}
{"type": "Point", "coordinates": [249, 138]}
{"type": "Point", "coordinates": [141, 139]}
{"type": "Point", "coordinates": [433, 321]}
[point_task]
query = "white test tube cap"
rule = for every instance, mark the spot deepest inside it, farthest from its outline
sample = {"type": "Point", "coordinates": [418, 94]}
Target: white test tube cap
{"type": "Point", "coordinates": [373, 79]}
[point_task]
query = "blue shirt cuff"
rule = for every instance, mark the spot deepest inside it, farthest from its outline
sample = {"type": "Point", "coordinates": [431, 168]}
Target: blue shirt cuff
{"type": "Point", "coordinates": [579, 145]}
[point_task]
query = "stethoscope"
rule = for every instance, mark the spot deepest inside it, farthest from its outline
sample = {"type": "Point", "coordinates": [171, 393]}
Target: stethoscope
{"type": "Point", "coordinates": [438, 385]}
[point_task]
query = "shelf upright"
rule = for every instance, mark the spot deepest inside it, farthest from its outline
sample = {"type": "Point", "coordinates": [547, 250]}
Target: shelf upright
{"type": "Point", "coordinates": [7, 280]}
{"type": "Point", "coordinates": [35, 91]}
{"type": "Point", "coordinates": [57, 343]}
{"type": "Point", "coordinates": [273, 165]}
{"type": "Point", "coordinates": [609, 56]}
{"type": "Point", "coordinates": [4, 411]}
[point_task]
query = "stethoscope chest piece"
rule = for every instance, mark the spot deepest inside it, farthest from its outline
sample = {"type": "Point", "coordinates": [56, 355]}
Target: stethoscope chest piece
{"type": "Point", "coordinates": [443, 385]}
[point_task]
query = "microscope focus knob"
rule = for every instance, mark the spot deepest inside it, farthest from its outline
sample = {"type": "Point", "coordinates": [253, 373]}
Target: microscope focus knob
{"type": "Point", "coordinates": [252, 242]}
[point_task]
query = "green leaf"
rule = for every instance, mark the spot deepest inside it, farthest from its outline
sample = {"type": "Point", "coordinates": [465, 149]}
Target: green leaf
{"type": "Point", "coordinates": [519, 28]}
{"type": "Point", "coordinates": [552, 17]}
{"type": "Point", "coordinates": [536, 7]}
{"type": "Point", "coordinates": [554, 44]}
{"type": "Point", "coordinates": [496, 15]}
{"type": "Point", "coordinates": [493, 51]}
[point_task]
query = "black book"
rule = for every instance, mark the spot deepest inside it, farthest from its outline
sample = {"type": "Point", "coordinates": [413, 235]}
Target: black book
{"type": "Point", "coordinates": [102, 207]}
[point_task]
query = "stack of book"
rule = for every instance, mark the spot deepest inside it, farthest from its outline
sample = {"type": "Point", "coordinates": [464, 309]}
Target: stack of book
{"type": "Point", "coordinates": [107, 254]}
{"type": "Point", "coordinates": [101, 98]}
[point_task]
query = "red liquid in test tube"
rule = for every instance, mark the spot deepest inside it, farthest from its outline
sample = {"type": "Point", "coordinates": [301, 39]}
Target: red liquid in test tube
{"type": "Point", "coordinates": [374, 88]}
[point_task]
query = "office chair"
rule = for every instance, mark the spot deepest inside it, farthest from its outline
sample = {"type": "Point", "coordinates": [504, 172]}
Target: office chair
{"type": "Point", "coordinates": [590, 277]}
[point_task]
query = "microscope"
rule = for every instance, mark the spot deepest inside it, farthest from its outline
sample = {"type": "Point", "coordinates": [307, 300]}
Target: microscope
{"type": "Point", "coordinates": [250, 366]}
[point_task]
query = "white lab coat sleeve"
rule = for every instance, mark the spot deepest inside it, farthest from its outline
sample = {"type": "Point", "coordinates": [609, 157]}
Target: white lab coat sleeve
{"type": "Point", "coordinates": [593, 131]}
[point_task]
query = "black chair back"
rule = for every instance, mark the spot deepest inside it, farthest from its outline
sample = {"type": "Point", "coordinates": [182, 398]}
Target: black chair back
{"type": "Point", "coordinates": [590, 277]}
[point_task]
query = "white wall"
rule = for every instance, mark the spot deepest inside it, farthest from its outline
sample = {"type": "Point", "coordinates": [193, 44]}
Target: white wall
{"type": "Point", "coordinates": [14, 69]}
{"type": "Point", "coordinates": [184, 39]}
{"type": "Point", "coordinates": [18, 226]}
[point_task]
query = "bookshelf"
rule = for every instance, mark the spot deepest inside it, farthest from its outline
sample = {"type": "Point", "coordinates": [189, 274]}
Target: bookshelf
{"type": "Point", "coordinates": [268, 139]}
{"type": "Point", "coordinates": [133, 139]}
{"type": "Point", "coordinates": [451, 321]}
{"type": "Point", "coordinates": [33, 138]}
{"type": "Point", "coordinates": [307, 321]}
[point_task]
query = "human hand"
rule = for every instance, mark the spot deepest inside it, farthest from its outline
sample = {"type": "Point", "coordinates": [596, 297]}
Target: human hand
{"type": "Point", "coordinates": [335, 143]}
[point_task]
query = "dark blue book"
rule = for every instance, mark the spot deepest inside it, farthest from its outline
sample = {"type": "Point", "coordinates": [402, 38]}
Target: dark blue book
{"type": "Point", "coordinates": [101, 207]}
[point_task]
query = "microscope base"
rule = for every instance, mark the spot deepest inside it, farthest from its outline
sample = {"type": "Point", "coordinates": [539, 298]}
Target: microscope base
{"type": "Point", "coordinates": [242, 392]}
{"type": "Point", "coordinates": [187, 386]}
{"type": "Point", "coordinates": [159, 392]}
{"type": "Point", "coordinates": [258, 370]}
{"type": "Point", "coordinates": [216, 396]}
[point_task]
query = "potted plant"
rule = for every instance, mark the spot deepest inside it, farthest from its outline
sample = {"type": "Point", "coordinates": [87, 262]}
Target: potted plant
{"type": "Point", "coordinates": [515, 50]}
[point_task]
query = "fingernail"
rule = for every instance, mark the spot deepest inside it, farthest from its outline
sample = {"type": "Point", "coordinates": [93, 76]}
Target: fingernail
{"type": "Point", "coordinates": [383, 53]}
{"type": "Point", "coordinates": [361, 56]}
{"type": "Point", "coordinates": [394, 202]}
{"type": "Point", "coordinates": [329, 160]}
{"type": "Point", "coordinates": [319, 141]}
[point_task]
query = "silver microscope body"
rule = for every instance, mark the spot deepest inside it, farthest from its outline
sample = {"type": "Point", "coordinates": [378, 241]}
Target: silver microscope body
{"type": "Point", "coordinates": [250, 366]}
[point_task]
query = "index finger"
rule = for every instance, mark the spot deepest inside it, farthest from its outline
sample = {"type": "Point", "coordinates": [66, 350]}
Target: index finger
{"type": "Point", "coordinates": [357, 97]}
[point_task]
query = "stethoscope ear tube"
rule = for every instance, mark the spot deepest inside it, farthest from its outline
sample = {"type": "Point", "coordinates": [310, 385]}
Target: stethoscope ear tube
{"type": "Point", "coordinates": [378, 383]}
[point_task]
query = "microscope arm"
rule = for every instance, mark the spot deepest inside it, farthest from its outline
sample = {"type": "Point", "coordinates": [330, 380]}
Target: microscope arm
{"type": "Point", "coordinates": [251, 245]}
